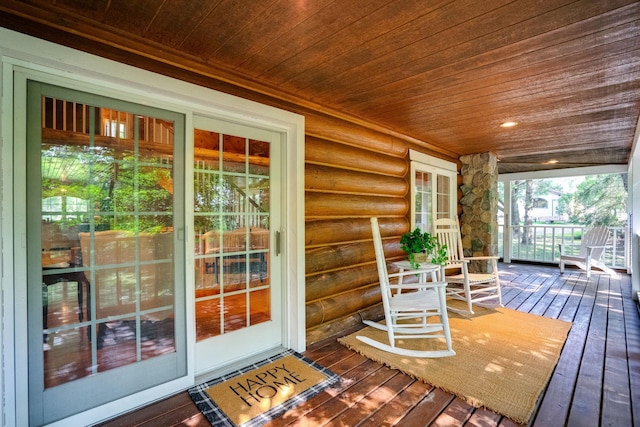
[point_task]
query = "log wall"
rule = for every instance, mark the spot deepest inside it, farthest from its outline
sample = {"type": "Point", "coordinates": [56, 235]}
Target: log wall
{"type": "Point", "coordinates": [351, 174]}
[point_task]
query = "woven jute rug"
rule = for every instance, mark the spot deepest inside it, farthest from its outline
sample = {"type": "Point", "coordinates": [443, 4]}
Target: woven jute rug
{"type": "Point", "coordinates": [260, 392]}
{"type": "Point", "coordinates": [503, 362]}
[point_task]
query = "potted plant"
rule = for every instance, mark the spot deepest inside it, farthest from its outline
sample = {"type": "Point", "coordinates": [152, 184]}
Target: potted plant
{"type": "Point", "coordinates": [422, 247]}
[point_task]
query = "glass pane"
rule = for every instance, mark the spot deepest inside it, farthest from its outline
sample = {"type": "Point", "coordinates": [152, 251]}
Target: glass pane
{"type": "Point", "coordinates": [156, 332]}
{"type": "Point", "coordinates": [443, 207]}
{"type": "Point", "coordinates": [231, 210]}
{"type": "Point", "coordinates": [260, 306]}
{"type": "Point", "coordinates": [423, 200]}
{"type": "Point", "coordinates": [61, 364]}
{"type": "Point", "coordinates": [107, 239]}
{"type": "Point", "coordinates": [259, 157]}
{"type": "Point", "coordinates": [207, 317]}
{"type": "Point", "coordinates": [233, 269]}
{"type": "Point", "coordinates": [235, 312]}
{"type": "Point", "coordinates": [117, 343]}
{"type": "Point", "coordinates": [234, 154]}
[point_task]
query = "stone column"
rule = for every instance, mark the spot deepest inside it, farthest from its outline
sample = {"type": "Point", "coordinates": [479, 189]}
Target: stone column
{"type": "Point", "coordinates": [479, 220]}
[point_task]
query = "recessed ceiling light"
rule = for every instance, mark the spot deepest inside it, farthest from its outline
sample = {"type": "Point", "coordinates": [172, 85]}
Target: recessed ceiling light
{"type": "Point", "coordinates": [508, 124]}
{"type": "Point", "coordinates": [552, 161]}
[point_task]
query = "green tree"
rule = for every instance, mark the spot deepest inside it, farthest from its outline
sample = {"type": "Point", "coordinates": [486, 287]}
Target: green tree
{"type": "Point", "coordinates": [600, 200]}
{"type": "Point", "coordinates": [565, 205]}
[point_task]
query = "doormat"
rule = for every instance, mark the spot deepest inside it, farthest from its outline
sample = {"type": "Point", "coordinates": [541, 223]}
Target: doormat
{"type": "Point", "coordinates": [260, 392]}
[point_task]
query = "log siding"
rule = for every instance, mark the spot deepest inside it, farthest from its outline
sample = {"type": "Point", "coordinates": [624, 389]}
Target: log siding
{"type": "Point", "coordinates": [351, 174]}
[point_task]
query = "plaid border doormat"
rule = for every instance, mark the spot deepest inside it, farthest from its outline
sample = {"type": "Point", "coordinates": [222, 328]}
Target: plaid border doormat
{"type": "Point", "coordinates": [255, 394]}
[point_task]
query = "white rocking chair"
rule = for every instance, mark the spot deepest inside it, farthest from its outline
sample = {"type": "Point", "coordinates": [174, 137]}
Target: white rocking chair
{"type": "Point", "coordinates": [473, 288]}
{"type": "Point", "coordinates": [407, 313]}
{"type": "Point", "coordinates": [592, 246]}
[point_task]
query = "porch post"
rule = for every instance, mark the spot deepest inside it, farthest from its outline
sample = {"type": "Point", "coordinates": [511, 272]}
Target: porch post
{"type": "Point", "coordinates": [479, 219]}
{"type": "Point", "coordinates": [506, 227]}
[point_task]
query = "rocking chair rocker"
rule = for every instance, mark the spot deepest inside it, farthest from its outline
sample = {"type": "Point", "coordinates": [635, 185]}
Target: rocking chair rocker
{"type": "Point", "coordinates": [407, 313]}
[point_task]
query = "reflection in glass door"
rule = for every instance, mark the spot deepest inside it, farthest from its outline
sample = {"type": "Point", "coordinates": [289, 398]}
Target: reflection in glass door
{"type": "Point", "coordinates": [104, 306]}
{"type": "Point", "coordinates": [234, 220]}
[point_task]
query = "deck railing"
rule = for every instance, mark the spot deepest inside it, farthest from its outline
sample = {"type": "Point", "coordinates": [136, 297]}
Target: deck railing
{"type": "Point", "coordinates": [542, 246]}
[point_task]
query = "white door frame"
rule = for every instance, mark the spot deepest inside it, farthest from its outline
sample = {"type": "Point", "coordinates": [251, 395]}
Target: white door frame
{"type": "Point", "coordinates": [67, 67]}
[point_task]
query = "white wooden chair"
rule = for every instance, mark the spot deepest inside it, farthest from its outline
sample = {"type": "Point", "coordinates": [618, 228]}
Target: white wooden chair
{"type": "Point", "coordinates": [592, 246]}
{"type": "Point", "coordinates": [407, 313]}
{"type": "Point", "coordinates": [473, 288]}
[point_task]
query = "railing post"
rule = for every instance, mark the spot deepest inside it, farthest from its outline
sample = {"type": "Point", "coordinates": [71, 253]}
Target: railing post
{"type": "Point", "coordinates": [614, 246]}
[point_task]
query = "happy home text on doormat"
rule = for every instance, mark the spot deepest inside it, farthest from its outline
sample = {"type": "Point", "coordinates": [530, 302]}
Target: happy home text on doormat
{"type": "Point", "coordinates": [261, 392]}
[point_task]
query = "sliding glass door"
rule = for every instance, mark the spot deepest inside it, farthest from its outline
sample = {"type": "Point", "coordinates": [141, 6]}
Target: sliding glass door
{"type": "Point", "coordinates": [106, 300]}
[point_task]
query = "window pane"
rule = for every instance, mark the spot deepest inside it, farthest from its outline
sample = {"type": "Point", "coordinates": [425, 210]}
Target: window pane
{"type": "Point", "coordinates": [423, 200]}
{"type": "Point", "coordinates": [443, 207]}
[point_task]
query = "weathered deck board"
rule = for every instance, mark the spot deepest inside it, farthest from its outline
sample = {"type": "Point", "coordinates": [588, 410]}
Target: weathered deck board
{"type": "Point", "coordinates": [616, 386]}
{"type": "Point", "coordinates": [596, 381]}
{"type": "Point", "coordinates": [585, 406]}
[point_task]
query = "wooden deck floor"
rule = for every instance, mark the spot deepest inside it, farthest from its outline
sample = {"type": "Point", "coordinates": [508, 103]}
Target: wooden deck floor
{"type": "Point", "coordinates": [596, 381]}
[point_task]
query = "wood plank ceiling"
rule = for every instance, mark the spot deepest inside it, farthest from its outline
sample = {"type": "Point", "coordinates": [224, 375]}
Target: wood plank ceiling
{"type": "Point", "coordinates": [444, 72]}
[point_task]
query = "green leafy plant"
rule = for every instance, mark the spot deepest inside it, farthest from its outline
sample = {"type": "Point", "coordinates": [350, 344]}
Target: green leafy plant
{"type": "Point", "coordinates": [419, 242]}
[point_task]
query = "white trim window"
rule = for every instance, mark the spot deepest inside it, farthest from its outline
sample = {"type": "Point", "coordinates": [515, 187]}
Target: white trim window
{"type": "Point", "coordinates": [433, 190]}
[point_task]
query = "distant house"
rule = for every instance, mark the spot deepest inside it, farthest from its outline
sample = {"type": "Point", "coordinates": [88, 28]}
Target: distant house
{"type": "Point", "coordinates": [545, 208]}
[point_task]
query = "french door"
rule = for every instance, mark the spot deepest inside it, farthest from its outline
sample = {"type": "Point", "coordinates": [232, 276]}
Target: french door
{"type": "Point", "coordinates": [106, 300]}
{"type": "Point", "coordinates": [236, 208]}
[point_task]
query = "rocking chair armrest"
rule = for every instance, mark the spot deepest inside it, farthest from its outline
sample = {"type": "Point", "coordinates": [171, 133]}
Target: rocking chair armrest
{"type": "Point", "coordinates": [597, 246]}
{"type": "Point", "coordinates": [482, 258]}
{"type": "Point", "coordinates": [402, 274]}
{"type": "Point", "coordinates": [407, 273]}
{"type": "Point", "coordinates": [418, 286]}
{"type": "Point", "coordinates": [458, 261]}
{"type": "Point", "coordinates": [591, 248]}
